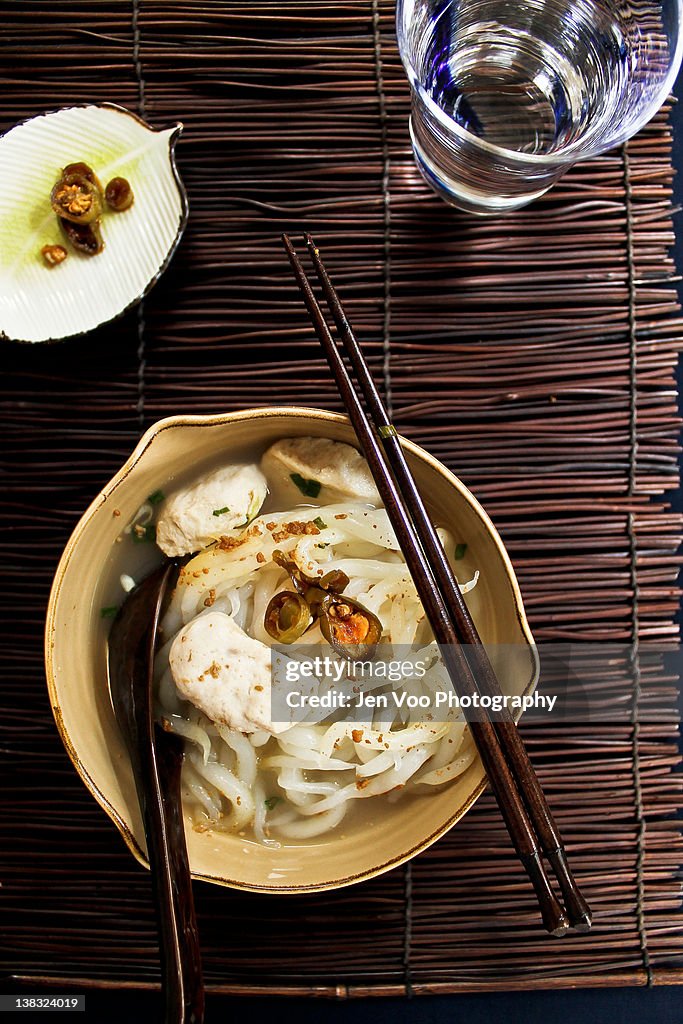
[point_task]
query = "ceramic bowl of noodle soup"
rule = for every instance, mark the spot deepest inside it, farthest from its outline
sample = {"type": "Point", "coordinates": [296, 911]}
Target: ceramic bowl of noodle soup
{"type": "Point", "coordinates": [281, 538]}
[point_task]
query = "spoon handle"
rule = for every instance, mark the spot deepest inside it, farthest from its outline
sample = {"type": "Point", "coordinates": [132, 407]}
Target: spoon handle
{"type": "Point", "coordinates": [156, 758]}
{"type": "Point", "coordinates": [179, 941]}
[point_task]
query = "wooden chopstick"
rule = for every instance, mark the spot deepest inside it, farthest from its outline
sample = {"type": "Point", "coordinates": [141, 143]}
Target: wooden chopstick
{"type": "Point", "coordinates": [485, 678]}
{"type": "Point", "coordinates": [397, 489]}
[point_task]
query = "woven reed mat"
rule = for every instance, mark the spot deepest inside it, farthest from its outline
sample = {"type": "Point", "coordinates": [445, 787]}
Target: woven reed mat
{"type": "Point", "coordinates": [535, 355]}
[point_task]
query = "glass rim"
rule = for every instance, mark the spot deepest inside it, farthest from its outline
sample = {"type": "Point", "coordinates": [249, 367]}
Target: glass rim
{"type": "Point", "coordinates": [571, 153]}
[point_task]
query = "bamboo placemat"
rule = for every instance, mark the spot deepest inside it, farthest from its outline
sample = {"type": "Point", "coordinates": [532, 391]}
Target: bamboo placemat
{"type": "Point", "coordinates": [535, 355]}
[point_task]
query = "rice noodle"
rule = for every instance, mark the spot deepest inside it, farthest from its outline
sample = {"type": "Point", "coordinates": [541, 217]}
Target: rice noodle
{"type": "Point", "coordinates": [301, 784]}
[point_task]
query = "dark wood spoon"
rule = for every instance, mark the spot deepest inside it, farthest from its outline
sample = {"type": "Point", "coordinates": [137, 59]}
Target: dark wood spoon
{"type": "Point", "coordinates": [156, 757]}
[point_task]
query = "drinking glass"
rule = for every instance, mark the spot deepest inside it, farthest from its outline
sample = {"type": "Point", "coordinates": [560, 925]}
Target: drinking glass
{"type": "Point", "coordinates": [508, 94]}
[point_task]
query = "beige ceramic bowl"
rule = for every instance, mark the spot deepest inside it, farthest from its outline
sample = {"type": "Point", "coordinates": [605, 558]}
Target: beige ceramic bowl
{"type": "Point", "coordinates": [174, 450]}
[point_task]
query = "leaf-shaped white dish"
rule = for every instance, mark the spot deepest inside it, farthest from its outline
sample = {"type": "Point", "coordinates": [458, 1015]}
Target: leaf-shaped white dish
{"type": "Point", "coordinates": [39, 303]}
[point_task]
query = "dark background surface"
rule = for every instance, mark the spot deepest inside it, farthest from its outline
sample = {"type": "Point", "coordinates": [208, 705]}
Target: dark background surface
{"type": "Point", "coordinates": [658, 1005]}
{"type": "Point", "coordinates": [599, 1006]}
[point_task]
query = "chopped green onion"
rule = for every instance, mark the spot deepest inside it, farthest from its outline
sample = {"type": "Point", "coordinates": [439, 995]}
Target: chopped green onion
{"type": "Point", "coordinates": [156, 498]}
{"type": "Point", "coordinates": [388, 431]}
{"type": "Point", "coordinates": [271, 801]}
{"type": "Point", "coordinates": [322, 545]}
{"type": "Point", "coordinates": [109, 612]}
{"type": "Point", "coordinates": [311, 488]}
{"type": "Point", "coordinates": [254, 506]}
{"type": "Point", "coordinates": [144, 534]}
{"type": "Point", "coordinates": [319, 523]}
{"type": "Point", "coordinates": [221, 511]}
{"type": "Point", "coordinates": [460, 550]}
